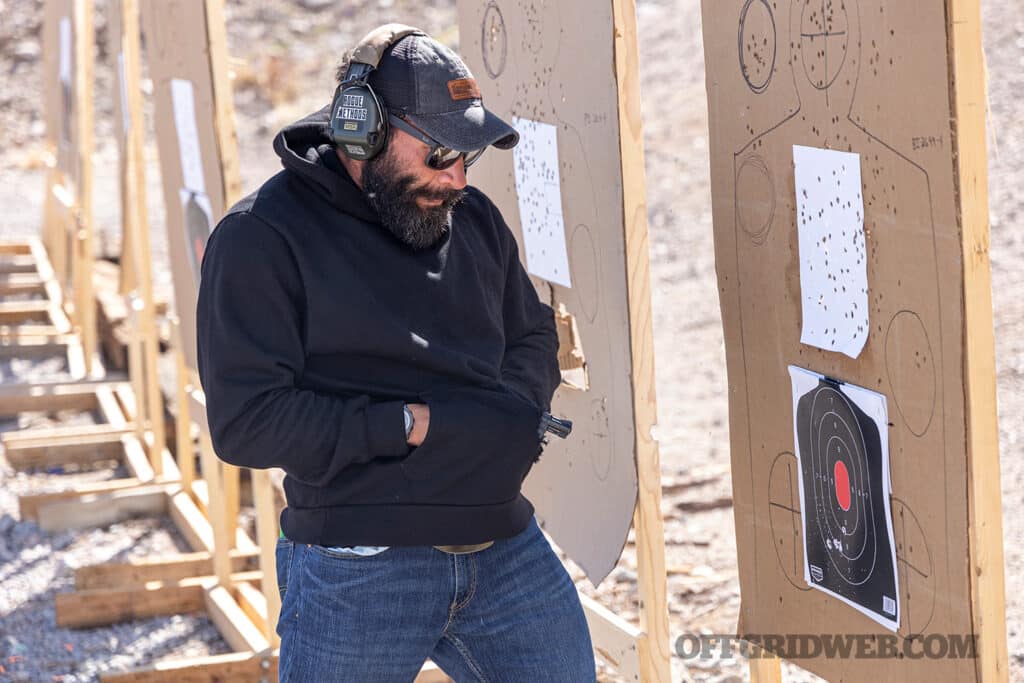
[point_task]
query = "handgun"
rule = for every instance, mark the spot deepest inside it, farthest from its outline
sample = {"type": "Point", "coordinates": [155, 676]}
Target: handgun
{"type": "Point", "coordinates": [555, 425]}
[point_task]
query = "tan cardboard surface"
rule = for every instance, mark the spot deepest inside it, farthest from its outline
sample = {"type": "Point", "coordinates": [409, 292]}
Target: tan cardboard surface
{"type": "Point", "coordinates": [58, 112]}
{"type": "Point", "coordinates": [61, 126]}
{"type": "Point", "coordinates": [553, 63]}
{"type": "Point", "coordinates": [869, 77]}
{"type": "Point", "coordinates": [176, 48]}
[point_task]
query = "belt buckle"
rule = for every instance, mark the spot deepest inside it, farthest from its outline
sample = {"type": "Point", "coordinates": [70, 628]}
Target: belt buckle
{"type": "Point", "coordinates": [464, 549]}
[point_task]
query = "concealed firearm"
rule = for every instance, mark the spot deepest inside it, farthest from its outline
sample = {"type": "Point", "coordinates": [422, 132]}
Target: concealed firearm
{"type": "Point", "coordinates": [555, 425]}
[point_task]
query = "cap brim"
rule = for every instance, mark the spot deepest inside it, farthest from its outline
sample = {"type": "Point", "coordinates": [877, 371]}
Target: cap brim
{"type": "Point", "coordinates": [472, 128]}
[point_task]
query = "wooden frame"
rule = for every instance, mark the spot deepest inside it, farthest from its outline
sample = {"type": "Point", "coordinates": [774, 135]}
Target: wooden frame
{"type": "Point", "coordinates": [137, 280]}
{"type": "Point", "coordinates": [147, 409]}
{"type": "Point", "coordinates": [63, 207]}
{"type": "Point", "coordinates": [25, 268]}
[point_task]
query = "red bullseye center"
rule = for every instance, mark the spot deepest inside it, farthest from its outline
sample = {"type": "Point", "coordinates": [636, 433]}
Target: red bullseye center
{"type": "Point", "coordinates": [842, 478]}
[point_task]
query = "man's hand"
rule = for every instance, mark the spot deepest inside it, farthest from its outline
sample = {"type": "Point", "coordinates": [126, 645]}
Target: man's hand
{"type": "Point", "coordinates": [421, 423]}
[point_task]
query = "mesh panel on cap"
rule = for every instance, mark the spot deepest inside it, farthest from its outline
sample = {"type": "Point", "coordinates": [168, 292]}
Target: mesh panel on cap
{"type": "Point", "coordinates": [393, 78]}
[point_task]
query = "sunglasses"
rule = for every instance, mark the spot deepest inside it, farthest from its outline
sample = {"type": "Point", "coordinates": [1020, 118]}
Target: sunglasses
{"type": "Point", "coordinates": [439, 157]}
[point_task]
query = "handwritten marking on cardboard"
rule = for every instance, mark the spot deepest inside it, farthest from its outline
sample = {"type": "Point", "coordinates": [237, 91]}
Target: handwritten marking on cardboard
{"type": "Point", "coordinates": [538, 186]}
{"type": "Point", "coordinates": [833, 259]}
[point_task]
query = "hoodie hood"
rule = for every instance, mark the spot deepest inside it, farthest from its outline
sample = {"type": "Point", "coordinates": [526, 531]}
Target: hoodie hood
{"type": "Point", "coordinates": [305, 150]}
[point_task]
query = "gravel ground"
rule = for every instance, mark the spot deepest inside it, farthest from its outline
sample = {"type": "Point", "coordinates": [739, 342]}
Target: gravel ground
{"type": "Point", "coordinates": [282, 73]}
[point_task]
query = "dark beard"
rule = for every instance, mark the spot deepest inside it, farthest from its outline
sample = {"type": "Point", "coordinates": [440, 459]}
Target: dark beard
{"type": "Point", "coordinates": [393, 195]}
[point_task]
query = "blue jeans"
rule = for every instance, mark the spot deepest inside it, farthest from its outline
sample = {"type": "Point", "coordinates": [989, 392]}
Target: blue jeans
{"type": "Point", "coordinates": [509, 612]}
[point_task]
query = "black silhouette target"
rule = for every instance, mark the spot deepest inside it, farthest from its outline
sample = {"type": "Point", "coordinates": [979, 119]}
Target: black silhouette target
{"type": "Point", "coordinates": [848, 548]}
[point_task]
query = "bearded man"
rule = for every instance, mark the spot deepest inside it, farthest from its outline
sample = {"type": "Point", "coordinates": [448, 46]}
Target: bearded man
{"type": "Point", "coordinates": [365, 324]}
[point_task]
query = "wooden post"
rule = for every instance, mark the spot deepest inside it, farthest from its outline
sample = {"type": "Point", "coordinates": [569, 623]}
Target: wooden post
{"type": "Point", "coordinates": [231, 483]}
{"type": "Point", "coordinates": [54, 216]}
{"type": "Point", "coordinates": [224, 119]}
{"type": "Point", "coordinates": [266, 537]}
{"type": "Point", "coordinates": [216, 510]}
{"type": "Point", "coordinates": [988, 589]}
{"type": "Point", "coordinates": [136, 254]}
{"type": "Point", "coordinates": [650, 531]}
{"type": "Point", "coordinates": [82, 256]}
{"type": "Point", "coordinates": [765, 667]}
{"type": "Point", "coordinates": [183, 424]}
{"type": "Point", "coordinates": [135, 375]}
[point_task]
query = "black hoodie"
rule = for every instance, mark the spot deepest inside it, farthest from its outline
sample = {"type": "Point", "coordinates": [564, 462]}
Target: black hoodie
{"type": "Point", "coordinates": [315, 325]}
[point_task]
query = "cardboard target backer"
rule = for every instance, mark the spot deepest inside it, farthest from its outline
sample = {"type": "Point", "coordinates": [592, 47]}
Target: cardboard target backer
{"type": "Point", "coordinates": [59, 51]}
{"type": "Point", "coordinates": [59, 83]}
{"type": "Point", "coordinates": [194, 195]}
{"type": "Point", "coordinates": [804, 96]}
{"type": "Point", "coordinates": [548, 69]}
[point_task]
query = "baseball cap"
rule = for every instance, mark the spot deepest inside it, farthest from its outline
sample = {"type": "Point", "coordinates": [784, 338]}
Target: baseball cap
{"type": "Point", "coordinates": [425, 82]}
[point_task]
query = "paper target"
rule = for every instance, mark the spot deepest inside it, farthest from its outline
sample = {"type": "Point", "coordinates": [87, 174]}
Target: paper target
{"type": "Point", "coordinates": [842, 449]}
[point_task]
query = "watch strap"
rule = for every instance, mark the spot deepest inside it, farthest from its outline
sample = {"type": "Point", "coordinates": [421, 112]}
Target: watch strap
{"type": "Point", "coordinates": [409, 420]}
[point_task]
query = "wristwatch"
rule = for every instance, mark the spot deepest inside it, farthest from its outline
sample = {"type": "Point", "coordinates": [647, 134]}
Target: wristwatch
{"type": "Point", "coordinates": [408, 421]}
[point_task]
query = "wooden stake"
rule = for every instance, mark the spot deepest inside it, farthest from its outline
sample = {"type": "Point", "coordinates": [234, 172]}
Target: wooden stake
{"type": "Point", "coordinates": [217, 512]}
{"type": "Point", "coordinates": [232, 622]}
{"type": "Point", "coordinates": [224, 117]}
{"type": "Point", "coordinates": [136, 252]}
{"type": "Point", "coordinates": [267, 526]}
{"type": "Point", "coordinates": [988, 587]}
{"type": "Point", "coordinates": [765, 667]}
{"type": "Point", "coordinates": [82, 257]}
{"type": "Point", "coordinates": [183, 424]}
{"type": "Point", "coordinates": [650, 531]}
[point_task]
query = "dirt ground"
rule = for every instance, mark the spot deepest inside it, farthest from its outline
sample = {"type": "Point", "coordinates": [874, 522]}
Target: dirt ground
{"type": "Point", "coordinates": [285, 52]}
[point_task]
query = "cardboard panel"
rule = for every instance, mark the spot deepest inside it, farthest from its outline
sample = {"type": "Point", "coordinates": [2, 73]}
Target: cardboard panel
{"type": "Point", "coordinates": [61, 119]}
{"type": "Point", "coordinates": [177, 53]}
{"type": "Point", "coordinates": [59, 83]}
{"type": "Point", "coordinates": [871, 78]}
{"type": "Point", "coordinates": [552, 64]}
{"type": "Point", "coordinates": [121, 125]}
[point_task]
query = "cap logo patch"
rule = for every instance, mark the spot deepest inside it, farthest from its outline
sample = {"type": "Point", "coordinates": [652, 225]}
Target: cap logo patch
{"type": "Point", "coordinates": [463, 89]}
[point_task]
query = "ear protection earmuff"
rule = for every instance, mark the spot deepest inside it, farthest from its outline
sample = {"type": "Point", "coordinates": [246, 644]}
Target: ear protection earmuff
{"type": "Point", "coordinates": [359, 121]}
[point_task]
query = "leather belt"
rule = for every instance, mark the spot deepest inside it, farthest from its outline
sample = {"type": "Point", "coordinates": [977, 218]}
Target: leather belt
{"type": "Point", "coordinates": [463, 549]}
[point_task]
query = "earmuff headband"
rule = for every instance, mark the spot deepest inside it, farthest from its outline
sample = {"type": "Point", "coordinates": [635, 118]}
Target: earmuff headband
{"type": "Point", "coordinates": [359, 123]}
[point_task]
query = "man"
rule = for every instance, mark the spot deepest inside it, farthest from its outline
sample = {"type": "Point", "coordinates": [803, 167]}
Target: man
{"type": "Point", "coordinates": [368, 327]}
